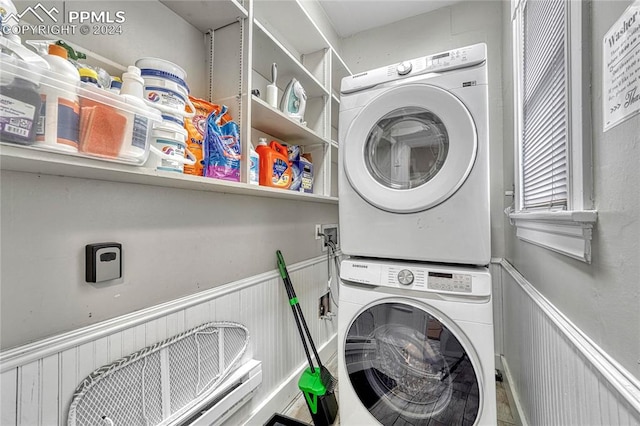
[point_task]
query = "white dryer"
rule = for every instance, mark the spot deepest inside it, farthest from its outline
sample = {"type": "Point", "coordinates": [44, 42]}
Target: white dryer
{"type": "Point", "coordinates": [414, 160]}
{"type": "Point", "coordinates": [415, 344]}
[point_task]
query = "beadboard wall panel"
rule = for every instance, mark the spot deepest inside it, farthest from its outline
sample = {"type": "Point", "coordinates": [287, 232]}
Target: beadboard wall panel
{"type": "Point", "coordinates": [559, 375]}
{"type": "Point", "coordinates": [38, 380]}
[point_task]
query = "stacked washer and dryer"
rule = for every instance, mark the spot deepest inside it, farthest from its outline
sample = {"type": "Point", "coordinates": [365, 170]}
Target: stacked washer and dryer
{"type": "Point", "coordinates": [415, 323]}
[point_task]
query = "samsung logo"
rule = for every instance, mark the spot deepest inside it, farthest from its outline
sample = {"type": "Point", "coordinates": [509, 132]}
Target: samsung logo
{"type": "Point", "coordinates": [360, 75]}
{"type": "Point", "coordinates": [360, 266]}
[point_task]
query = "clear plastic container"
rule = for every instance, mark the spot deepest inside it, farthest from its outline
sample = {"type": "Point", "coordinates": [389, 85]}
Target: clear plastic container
{"type": "Point", "coordinates": [105, 117]}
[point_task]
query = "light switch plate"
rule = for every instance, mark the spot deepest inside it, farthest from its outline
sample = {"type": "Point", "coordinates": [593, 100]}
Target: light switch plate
{"type": "Point", "coordinates": [103, 262]}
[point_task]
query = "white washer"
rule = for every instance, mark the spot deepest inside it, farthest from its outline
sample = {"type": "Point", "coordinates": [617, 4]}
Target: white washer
{"type": "Point", "coordinates": [414, 160]}
{"type": "Point", "coordinates": [415, 344]}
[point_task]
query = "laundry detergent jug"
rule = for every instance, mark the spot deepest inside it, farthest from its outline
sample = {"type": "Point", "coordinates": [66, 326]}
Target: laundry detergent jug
{"type": "Point", "coordinates": [275, 168]}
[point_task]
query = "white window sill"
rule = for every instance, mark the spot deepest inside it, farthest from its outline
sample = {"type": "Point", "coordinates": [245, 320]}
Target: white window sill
{"type": "Point", "coordinates": [565, 232]}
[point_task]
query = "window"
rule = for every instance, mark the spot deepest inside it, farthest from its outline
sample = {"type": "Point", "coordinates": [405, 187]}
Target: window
{"type": "Point", "coordinates": [553, 200]}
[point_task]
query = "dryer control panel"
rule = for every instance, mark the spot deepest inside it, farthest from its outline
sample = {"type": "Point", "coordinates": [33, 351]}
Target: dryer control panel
{"type": "Point", "coordinates": [463, 280]}
{"type": "Point", "coordinates": [446, 61]}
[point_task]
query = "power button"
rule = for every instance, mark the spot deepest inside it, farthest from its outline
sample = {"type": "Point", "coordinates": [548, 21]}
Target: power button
{"type": "Point", "coordinates": [404, 68]}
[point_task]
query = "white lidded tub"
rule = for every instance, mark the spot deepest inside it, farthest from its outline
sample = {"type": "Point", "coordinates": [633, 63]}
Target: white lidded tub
{"type": "Point", "coordinates": [165, 86]}
{"type": "Point", "coordinates": [168, 148]}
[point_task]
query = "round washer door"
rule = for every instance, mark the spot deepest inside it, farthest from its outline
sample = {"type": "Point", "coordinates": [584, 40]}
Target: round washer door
{"type": "Point", "coordinates": [408, 367]}
{"type": "Point", "coordinates": [410, 148]}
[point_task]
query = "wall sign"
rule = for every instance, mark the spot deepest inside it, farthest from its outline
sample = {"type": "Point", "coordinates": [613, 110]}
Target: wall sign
{"type": "Point", "coordinates": [621, 73]}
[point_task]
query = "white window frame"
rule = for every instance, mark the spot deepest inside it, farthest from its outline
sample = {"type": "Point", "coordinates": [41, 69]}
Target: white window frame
{"type": "Point", "coordinates": [567, 231]}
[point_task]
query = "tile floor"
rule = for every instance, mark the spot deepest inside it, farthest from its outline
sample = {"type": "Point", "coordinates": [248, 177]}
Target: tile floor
{"type": "Point", "coordinates": [298, 408]}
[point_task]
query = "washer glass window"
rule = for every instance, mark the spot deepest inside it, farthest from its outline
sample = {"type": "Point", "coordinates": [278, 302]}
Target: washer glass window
{"type": "Point", "coordinates": [408, 368]}
{"type": "Point", "coordinates": [406, 148]}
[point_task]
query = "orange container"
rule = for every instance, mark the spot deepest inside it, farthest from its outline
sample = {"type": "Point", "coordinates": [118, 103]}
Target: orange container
{"type": "Point", "coordinates": [275, 168]}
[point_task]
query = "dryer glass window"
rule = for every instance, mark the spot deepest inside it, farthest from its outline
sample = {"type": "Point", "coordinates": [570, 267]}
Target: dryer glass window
{"type": "Point", "coordinates": [406, 148]}
{"type": "Point", "coordinates": [408, 368]}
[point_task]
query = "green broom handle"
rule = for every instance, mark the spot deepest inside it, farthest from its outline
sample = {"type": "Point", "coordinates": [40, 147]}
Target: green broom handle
{"type": "Point", "coordinates": [294, 300]}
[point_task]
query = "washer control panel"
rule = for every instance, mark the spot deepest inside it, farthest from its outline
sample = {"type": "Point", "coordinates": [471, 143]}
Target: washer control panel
{"type": "Point", "coordinates": [460, 283]}
{"type": "Point", "coordinates": [464, 280]}
{"type": "Point", "coordinates": [458, 58]}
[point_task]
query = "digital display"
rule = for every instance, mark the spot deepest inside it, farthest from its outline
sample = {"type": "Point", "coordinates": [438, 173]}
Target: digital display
{"type": "Point", "coordinates": [440, 275]}
{"type": "Point", "coordinates": [442, 55]}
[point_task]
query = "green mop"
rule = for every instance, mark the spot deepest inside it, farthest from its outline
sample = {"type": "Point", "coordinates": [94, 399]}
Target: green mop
{"type": "Point", "coordinates": [317, 384]}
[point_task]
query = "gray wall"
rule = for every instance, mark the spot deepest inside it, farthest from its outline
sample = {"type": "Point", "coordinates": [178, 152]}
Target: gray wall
{"type": "Point", "coordinates": [175, 242]}
{"type": "Point", "coordinates": [446, 28]}
{"type": "Point", "coordinates": [603, 299]}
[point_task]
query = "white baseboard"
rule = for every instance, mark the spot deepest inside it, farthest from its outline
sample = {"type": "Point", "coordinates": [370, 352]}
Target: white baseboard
{"type": "Point", "coordinates": [282, 396]}
{"type": "Point", "coordinates": [514, 401]}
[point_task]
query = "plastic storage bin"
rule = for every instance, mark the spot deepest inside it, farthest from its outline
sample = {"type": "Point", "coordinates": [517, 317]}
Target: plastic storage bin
{"type": "Point", "coordinates": [107, 123]}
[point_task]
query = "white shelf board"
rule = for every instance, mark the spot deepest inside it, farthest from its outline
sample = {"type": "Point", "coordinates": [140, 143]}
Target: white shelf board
{"type": "Point", "coordinates": [207, 15]}
{"type": "Point", "coordinates": [274, 122]}
{"type": "Point", "coordinates": [294, 25]}
{"type": "Point", "coordinates": [24, 159]}
{"type": "Point", "coordinates": [267, 50]}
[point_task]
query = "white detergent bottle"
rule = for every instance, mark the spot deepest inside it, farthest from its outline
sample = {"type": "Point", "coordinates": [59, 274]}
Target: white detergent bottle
{"type": "Point", "coordinates": [135, 146]}
{"type": "Point", "coordinates": [58, 126]}
{"type": "Point", "coordinates": [254, 166]}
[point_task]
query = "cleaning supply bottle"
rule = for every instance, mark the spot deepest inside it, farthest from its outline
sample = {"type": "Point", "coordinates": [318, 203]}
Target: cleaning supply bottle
{"type": "Point", "coordinates": [102, 76]}
{"type": "Point", "coordinates": [134, 145]}
{"type": "Point", "coordinates": [116, 85]}
{"type": "Point", "coordinates": [89, 76]}
{"type": "Point", "coordinates": [58, 126]}
{"type": "Point", "coordinates": [19, 99]}
{"type": "Point", "coordinates": [275, 168]}
{"type": "Point", "coordinates": [19, 102]}
{"type": "Point", "coordinates": [254, 166]}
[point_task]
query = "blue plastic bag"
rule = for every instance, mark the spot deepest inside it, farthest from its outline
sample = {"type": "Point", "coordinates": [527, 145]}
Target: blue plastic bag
{"type": "Point", "coordinates": [222, 150]}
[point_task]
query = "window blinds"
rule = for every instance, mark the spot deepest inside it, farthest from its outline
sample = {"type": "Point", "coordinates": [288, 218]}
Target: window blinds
{"type": "Point", "coordinates": [544, 97]}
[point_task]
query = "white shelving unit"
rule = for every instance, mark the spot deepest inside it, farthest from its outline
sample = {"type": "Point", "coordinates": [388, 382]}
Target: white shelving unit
{"type": "Point", "coordinates": [247, 36]}
{"type": "Point", "coordinates": [51, 163]}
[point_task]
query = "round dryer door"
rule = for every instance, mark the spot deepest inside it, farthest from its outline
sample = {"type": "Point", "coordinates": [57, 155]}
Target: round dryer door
{"type": "Point", "coordinates": [408, 367]}
{"type": "Point", "coordinates": [410, 148]}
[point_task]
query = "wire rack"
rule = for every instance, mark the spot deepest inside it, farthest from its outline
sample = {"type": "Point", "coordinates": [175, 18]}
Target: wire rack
{"type": "Point", "coordinates": [155, 384]}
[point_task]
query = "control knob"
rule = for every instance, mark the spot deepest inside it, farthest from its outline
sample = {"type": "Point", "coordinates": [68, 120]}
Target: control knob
{"type": "Point", "coordinates": [405, 277]}
{"type": "Point", "coordinates": [404, 68]}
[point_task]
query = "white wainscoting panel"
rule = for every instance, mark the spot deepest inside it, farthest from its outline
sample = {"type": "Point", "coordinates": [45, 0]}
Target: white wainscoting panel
{"type": "Point", "coordinates": [558, 374]}
{"type": "Point", "coordinates": [38, 380]}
